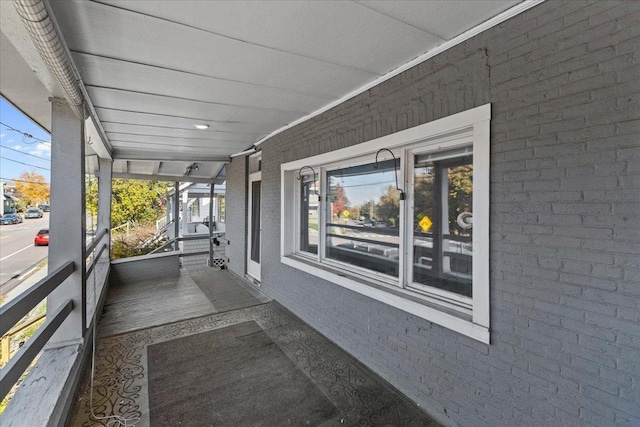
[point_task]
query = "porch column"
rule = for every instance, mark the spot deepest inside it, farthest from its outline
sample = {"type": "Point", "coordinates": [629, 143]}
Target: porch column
{"type": "Point", "coordinates": [211, 190]}
{"type": "Point", "coordinates": [176, 215]}
{"type": "Point", "coordinates": [185, 212]}
{"type": "Point", "coordinates": [105, 175]}
{"type": "Point", "coordinates": [67, 220]}
{"type": "Point", "coordinates": [168, 210]}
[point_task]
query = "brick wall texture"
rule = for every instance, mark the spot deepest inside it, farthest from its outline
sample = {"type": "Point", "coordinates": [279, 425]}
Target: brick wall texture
{"type": "Point", "coordinates": [564, 82]}
{"type": "Point", "coordinates": [236, 215]}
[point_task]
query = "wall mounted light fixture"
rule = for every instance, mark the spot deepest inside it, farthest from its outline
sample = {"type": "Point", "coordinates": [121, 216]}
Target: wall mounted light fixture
{"type": "Point", "coordinates": [395, 168]}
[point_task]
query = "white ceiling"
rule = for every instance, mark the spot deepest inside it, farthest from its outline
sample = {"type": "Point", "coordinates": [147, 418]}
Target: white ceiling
{"type": "Point", "coordinates": [153, 69]}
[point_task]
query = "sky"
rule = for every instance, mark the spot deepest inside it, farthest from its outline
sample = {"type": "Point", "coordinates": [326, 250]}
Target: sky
{"type": "Point", "coordinates": [19, 153]}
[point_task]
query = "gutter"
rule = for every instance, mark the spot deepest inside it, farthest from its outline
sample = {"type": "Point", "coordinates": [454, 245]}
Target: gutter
{"type": "Point", "coordinates": [47, 39]}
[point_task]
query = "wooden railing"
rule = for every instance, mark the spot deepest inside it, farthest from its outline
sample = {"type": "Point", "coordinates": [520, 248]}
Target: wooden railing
{"type": "Point", "coordinates": [5, 341]}
{"type": "Point", "coordinates": [184, 239]}
{"type": "Point", "coordinates": [16, 309]}
{"type": "Point", "coordinates": [12, 312]}
{"type": "Point", "coordinates": [93, 253]}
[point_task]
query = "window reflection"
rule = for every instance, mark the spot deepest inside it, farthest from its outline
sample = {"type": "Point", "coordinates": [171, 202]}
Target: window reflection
{"type": "Point", "coordinates": [442, 224]}
{"type": "Point", "coordinates": [309, 224]}
{"type": "Point", "coordinates": [363, 217]}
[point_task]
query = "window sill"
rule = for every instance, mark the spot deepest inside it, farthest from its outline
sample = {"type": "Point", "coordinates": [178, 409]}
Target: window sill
{"type": "Point", "coordinates": [401, 299]}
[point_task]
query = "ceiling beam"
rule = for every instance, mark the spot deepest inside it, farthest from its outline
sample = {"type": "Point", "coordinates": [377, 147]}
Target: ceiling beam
{"type": "Point", "coordinates": [174, 157]}
{"type": "Point", "coordinates": [156, 168]}
{"type": "Point", "coordinates": [171, 178]}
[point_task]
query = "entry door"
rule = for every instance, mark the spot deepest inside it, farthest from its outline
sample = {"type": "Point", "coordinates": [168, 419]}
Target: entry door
{"type": "Point", "coordinates": [255, 226]}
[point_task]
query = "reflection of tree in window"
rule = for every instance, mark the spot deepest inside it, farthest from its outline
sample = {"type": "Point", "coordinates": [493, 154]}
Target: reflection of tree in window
{"type": "Point", "coordinates": [362, 217]}
{"type": "Point", "coordinates": [339, 199]}
{"type": "Point", "coordinates": [388, 209]}
{"type": "Point", "coordinates": [442, 248]}
{"type": "Point", "coordinates": [460, 196]}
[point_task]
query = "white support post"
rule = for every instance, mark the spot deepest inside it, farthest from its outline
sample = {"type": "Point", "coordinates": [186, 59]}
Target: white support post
{"type": "Point", "coordinates": [176, 215]}
{"type": "Point", "coordinates": [211, 193]}
{"type": "Point", "coordinates": [168, 210]}
{"type": "Point", "coordinates": [67, 221]}
{"type": "Point", "coordinates": [185, 212]}
{"type": "Point", "coordinates": [105, 176]}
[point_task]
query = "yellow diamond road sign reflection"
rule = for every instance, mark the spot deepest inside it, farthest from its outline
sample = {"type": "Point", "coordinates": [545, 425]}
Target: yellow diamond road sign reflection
{"type": "Point", "coordinates": [425, 223]}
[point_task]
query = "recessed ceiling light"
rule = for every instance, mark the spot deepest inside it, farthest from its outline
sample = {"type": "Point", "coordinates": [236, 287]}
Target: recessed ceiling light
{"type": "Point", "coordinates": [202, 126]}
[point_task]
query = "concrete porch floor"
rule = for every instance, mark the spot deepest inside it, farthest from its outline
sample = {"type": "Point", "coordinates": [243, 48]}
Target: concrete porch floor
{"type": "Point", "coordinates": [142, 316]}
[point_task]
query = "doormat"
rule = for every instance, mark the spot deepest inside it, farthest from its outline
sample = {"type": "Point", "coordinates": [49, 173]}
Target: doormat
{"type": "Point", "coordinates": [224, 291]}
{"type": "Point", "coordinates": [233, 376]}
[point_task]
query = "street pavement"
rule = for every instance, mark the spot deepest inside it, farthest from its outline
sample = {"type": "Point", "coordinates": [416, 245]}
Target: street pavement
{"type": "Point", "coordinates": [17, 251]}
{"type": "Point", "coordinates": [15, 287]}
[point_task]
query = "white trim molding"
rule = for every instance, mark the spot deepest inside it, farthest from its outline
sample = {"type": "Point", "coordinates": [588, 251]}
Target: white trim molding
{"type": "Point", "coordinates": [466, 132]}
{"type": "Point", "coordinates": [496, 20]}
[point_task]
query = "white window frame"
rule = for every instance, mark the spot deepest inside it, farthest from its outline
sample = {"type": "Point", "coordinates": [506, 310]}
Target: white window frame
{"type": "Point", "coordinates": [469, 316]}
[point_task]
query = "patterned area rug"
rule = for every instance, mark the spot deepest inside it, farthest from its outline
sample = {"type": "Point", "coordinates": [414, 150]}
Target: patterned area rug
{"type": "Point", "coordinates": [359, 395]}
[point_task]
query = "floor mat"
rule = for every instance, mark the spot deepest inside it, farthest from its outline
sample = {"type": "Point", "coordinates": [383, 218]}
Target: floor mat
{"type": "Point", "coordinates": [225, 291]}
{"type": "Point", "coordinates": [122, 374]}
{"type": "Point", "coordinates": [234, 376]}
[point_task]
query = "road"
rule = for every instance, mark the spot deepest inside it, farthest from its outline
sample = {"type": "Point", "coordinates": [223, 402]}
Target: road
{"type": "Point", "coordinates": [17, 251]}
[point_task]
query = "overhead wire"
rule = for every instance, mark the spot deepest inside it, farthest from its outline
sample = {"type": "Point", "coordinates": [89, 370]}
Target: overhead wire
{"type": "Point", "coordinates": [23, 163]}
{"type": "Point", "coordinates": [25, 135]}
{"type": "Point", "coordinates": [26, 154]}
{"type": "Point", "coordinates": [23, 181]}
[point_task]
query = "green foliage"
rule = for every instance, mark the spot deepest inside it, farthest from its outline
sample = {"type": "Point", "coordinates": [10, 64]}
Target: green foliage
{"type": "Point", "coordinates": [460, 196]}
{"type": "Point", "coordinates": [132, 200]}
{"type": "Point", "coordinates": [388, 209]}
{"type": "Point", "coordinates": [128, 246]}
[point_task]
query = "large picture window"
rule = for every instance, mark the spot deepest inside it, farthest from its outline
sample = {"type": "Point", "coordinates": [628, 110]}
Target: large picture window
{"type": "Point", "coordinates": [402, 219]}
{"type": "Point", "coordinates": [362, 227]}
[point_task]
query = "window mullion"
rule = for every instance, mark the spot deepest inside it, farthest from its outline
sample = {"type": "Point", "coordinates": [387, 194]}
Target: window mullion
{"type": "Point", "coordinates": [403, 221]}
{"type": "Point", "coordinates": [409, 213]}
{"type": "Point", "coordinates": [322, 214]}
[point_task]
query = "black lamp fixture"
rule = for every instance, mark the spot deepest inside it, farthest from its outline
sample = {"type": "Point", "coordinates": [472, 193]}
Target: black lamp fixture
{"type": "Point", "coordinates": [395, 168]}
{"type": "Point", "coordinates": [191, 168]}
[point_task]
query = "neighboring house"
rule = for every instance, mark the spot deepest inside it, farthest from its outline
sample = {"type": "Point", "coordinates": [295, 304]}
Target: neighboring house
{"type": "Point", "coordinates": [195, 207]}
{"type": "Point", "coordinates": [9, 203]}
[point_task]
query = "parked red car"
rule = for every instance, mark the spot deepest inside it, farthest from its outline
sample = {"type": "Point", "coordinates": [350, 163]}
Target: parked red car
{"type": "Point", "coordinates": [42, 238]}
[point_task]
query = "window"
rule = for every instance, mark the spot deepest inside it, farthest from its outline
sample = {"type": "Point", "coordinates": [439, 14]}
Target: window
{"type": "Point", "coordinates": [408, 229]}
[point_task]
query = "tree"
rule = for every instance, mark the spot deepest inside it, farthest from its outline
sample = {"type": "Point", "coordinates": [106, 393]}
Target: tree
{"type": "Point", "coordinates": [132, 200]}
{"type": "Point", "coordinates": [33, 188]}
{"type": "Point", "coordinates": [388, 209]}
{"type": "Point", "coordinates": [354, 212]}
{"type": "Point", "coordinates": [423, 195]}
{"type": "Point", "coordinates": [339, 200]}
{"type": "Point", "coordinates": [460, 195]}
{"type": "Point", "coordinates": [365, 209]}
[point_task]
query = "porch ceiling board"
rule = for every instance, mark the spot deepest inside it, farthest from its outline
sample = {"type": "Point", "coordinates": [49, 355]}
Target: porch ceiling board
{"type": "Point", "coordinates": [175, 132]}
{"type": "Point", "coordinates": [154, 69]}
